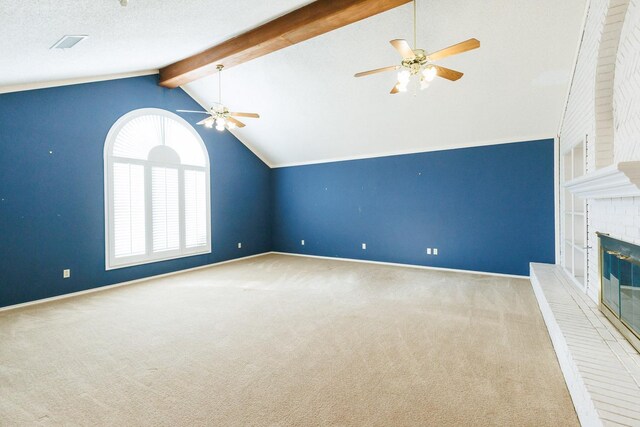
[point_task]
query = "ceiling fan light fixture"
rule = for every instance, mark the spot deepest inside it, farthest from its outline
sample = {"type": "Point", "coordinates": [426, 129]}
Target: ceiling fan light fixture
{"type": "Point", "coordinates": [417, 61]}
{"type": "Point", "coordinates": [404, 76]}
{"type": "Point", "coordinates": [219, 115]}
{"type": "Point", "coordinates": [429, 73]}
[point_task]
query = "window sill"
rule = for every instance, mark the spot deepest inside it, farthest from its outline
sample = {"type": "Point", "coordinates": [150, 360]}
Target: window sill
{"type": "Point", "coordinates": [169, 257]}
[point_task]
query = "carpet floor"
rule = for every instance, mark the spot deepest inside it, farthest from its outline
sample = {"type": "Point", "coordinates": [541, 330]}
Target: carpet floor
{"type": "Point", "coordinates": [284, 340]}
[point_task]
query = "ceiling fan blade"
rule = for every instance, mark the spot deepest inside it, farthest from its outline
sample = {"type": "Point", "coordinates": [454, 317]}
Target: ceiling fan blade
{"type": "Point", "coordinates": [191, 111]}
{"type": "Point", "coordinates": [252, 115]}
{"type": "Point", "coordinates": [377, 70]}
{"type": "Point", "coordinates": [454, 50]}
{"type": "Point", "coordinates": [448, 73]}
{"type": "Point", "coordinates": [236, 122]}
{"type": "Point", "coordinates": [403, 48]}
{"type": "Point", "coordinates": [203, 122]}
{"type": "Point", "coordinates": [395, 89]}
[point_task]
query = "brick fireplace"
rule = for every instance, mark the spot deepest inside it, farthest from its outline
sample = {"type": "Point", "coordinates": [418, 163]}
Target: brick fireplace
{"type": "Point", "coordinates": [598, 220]}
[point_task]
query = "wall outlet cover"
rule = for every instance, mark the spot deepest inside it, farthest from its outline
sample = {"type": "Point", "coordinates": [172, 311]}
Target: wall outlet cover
{"type": "Point", "coordinates": [435, 251]}
{"type": "Point", "coordinates": [364, 246]}
{"type": "Point", "coordinates": [428, 251]}
{"type": "Point", "coordinates": [302, 242]}
{"type": "Point", "coordinates": [239, 245]}
{"type": "Point", "coordinates": [66, 273]}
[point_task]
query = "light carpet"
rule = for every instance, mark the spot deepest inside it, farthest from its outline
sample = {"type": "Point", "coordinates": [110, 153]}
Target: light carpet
{"type": "Point", "coordinates": [283, 340]}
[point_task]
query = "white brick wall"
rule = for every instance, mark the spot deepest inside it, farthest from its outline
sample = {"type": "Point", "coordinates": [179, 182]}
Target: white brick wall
{"type": "Point", "coordinates": [579, 119]}
{"type": "Point", "coordinates": [605, 95]}
{"type": "Point", "coordinates": [606, 64]}
{"type": "Point", "coordinates": [626, 99]}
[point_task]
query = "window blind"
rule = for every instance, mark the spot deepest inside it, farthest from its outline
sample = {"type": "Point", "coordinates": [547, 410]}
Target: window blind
{"type": "Point", "coordinates": [165, 209]}
{"type": "Point", "coordinates": [195, 208]}
{"type": "Point", "coordinates": [128, 209]}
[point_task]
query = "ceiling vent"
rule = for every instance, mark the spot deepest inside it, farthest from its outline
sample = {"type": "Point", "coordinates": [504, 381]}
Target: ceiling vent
{"type": "Point", "coordinates": [67, 42]}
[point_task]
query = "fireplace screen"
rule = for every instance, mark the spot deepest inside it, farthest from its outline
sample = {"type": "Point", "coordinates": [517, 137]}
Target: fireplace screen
{"type": "Point", "coordinates": [620, 291]}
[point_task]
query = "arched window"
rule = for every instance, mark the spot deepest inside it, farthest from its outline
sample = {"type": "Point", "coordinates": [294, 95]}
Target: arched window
{"type": "Point", "coordinates": [157, 196]}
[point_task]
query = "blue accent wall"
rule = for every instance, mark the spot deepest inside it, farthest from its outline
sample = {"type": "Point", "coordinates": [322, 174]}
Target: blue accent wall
{"type": "Point", "coordinates": [486, 208]}
{"type": "Point", "coordinates": [52, 194]}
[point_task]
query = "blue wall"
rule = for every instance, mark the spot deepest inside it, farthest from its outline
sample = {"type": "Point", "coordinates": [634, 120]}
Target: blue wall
{"type": "Point", "coordinates": [485, 209]}
{"type": "Point", "coordinates": [51, 205]}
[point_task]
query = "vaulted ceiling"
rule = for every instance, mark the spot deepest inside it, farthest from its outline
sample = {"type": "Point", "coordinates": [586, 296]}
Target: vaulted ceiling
{"type": "Point", "coordinates": [312, 108]}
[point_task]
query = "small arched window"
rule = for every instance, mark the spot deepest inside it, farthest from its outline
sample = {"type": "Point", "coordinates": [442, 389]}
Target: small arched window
{"type": "Point", "coordinates": [157, 195]}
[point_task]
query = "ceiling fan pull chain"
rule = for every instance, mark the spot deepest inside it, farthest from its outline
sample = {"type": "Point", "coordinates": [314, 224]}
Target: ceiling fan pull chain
{"type": "Point", "coordinates": [415, 24]}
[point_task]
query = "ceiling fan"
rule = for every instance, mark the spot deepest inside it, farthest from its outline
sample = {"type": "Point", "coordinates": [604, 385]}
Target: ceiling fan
{"type": "Point", "coordinates": [416, 61]}
{"type": "Point", "coordinates": [219, 115]}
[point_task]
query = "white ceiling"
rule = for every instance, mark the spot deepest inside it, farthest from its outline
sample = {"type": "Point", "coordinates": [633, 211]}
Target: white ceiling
{"type": "Point", "coordinates": [145, 35]}
{"type": "Point", "coordinates": [312, 107]}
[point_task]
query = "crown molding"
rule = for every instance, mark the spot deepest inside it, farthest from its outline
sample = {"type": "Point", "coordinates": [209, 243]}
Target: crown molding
{"type": "Point", "coordinates": [74, 81]}
{"type": "Point", "coordinates": [474, 144]}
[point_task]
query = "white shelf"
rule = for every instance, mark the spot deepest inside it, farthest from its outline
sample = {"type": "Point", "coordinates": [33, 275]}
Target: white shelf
{"type": "Point", "coordinates": [574, 225]}
{"type": "Point", "coordinates": [619, 180]}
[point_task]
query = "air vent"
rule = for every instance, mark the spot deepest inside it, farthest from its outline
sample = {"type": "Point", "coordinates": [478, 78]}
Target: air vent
{"type": "Point", "coordinates": [67, 42]}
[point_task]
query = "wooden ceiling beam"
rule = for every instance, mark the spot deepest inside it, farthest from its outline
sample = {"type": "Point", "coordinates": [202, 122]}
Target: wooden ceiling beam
{"type": "Point", "coordinates": [302, 24]}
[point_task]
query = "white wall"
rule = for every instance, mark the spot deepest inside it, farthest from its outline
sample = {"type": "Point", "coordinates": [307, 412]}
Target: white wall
{"type": "Point", "coordinates": [626, 89]}
{"type": "Point", "coordinates": [604, 104]}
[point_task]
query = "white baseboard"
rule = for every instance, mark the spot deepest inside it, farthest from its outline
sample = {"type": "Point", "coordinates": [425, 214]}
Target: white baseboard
{"type": "Point", "coordinates": [394, 264]}
{"type": "Point", "coordinates": [201, 267]}
{"type": "Point", "coordinates": [130, 282]}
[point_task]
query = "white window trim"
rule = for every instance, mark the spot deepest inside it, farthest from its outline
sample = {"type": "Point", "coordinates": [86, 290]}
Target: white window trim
{"type": "Point", "coordinates": [111, 262]}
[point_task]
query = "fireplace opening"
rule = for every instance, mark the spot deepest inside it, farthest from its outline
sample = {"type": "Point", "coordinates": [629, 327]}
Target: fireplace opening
{"type": "Point", "coordinates": [620, 286]}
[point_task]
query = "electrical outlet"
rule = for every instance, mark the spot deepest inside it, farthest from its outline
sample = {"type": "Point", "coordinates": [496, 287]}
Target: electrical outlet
{"type": "Point", "coordinates": [435, 251]}
{"type": "Point", "coordinates": [364, 246]}
{"type": "Point", "coordinates": [302, 242]}
{"type": "Point", "coordinates": [239, 245]}
{"type": "Point", "coordinates": [428, 251]}
{"type": "Point", "coordinates": [66, 273]}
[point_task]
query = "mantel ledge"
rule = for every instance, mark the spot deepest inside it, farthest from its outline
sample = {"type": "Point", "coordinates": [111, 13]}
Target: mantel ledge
{"type": "Point", "coordinates": [619, 180]}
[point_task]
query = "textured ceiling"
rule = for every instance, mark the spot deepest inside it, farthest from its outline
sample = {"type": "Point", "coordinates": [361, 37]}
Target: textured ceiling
{"type": "Point", "coordinates": [311, 106]}
{"type": "Point", "coordinates": [145, 35]}
{"type": "Point", "coordinates": [313, 109]}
